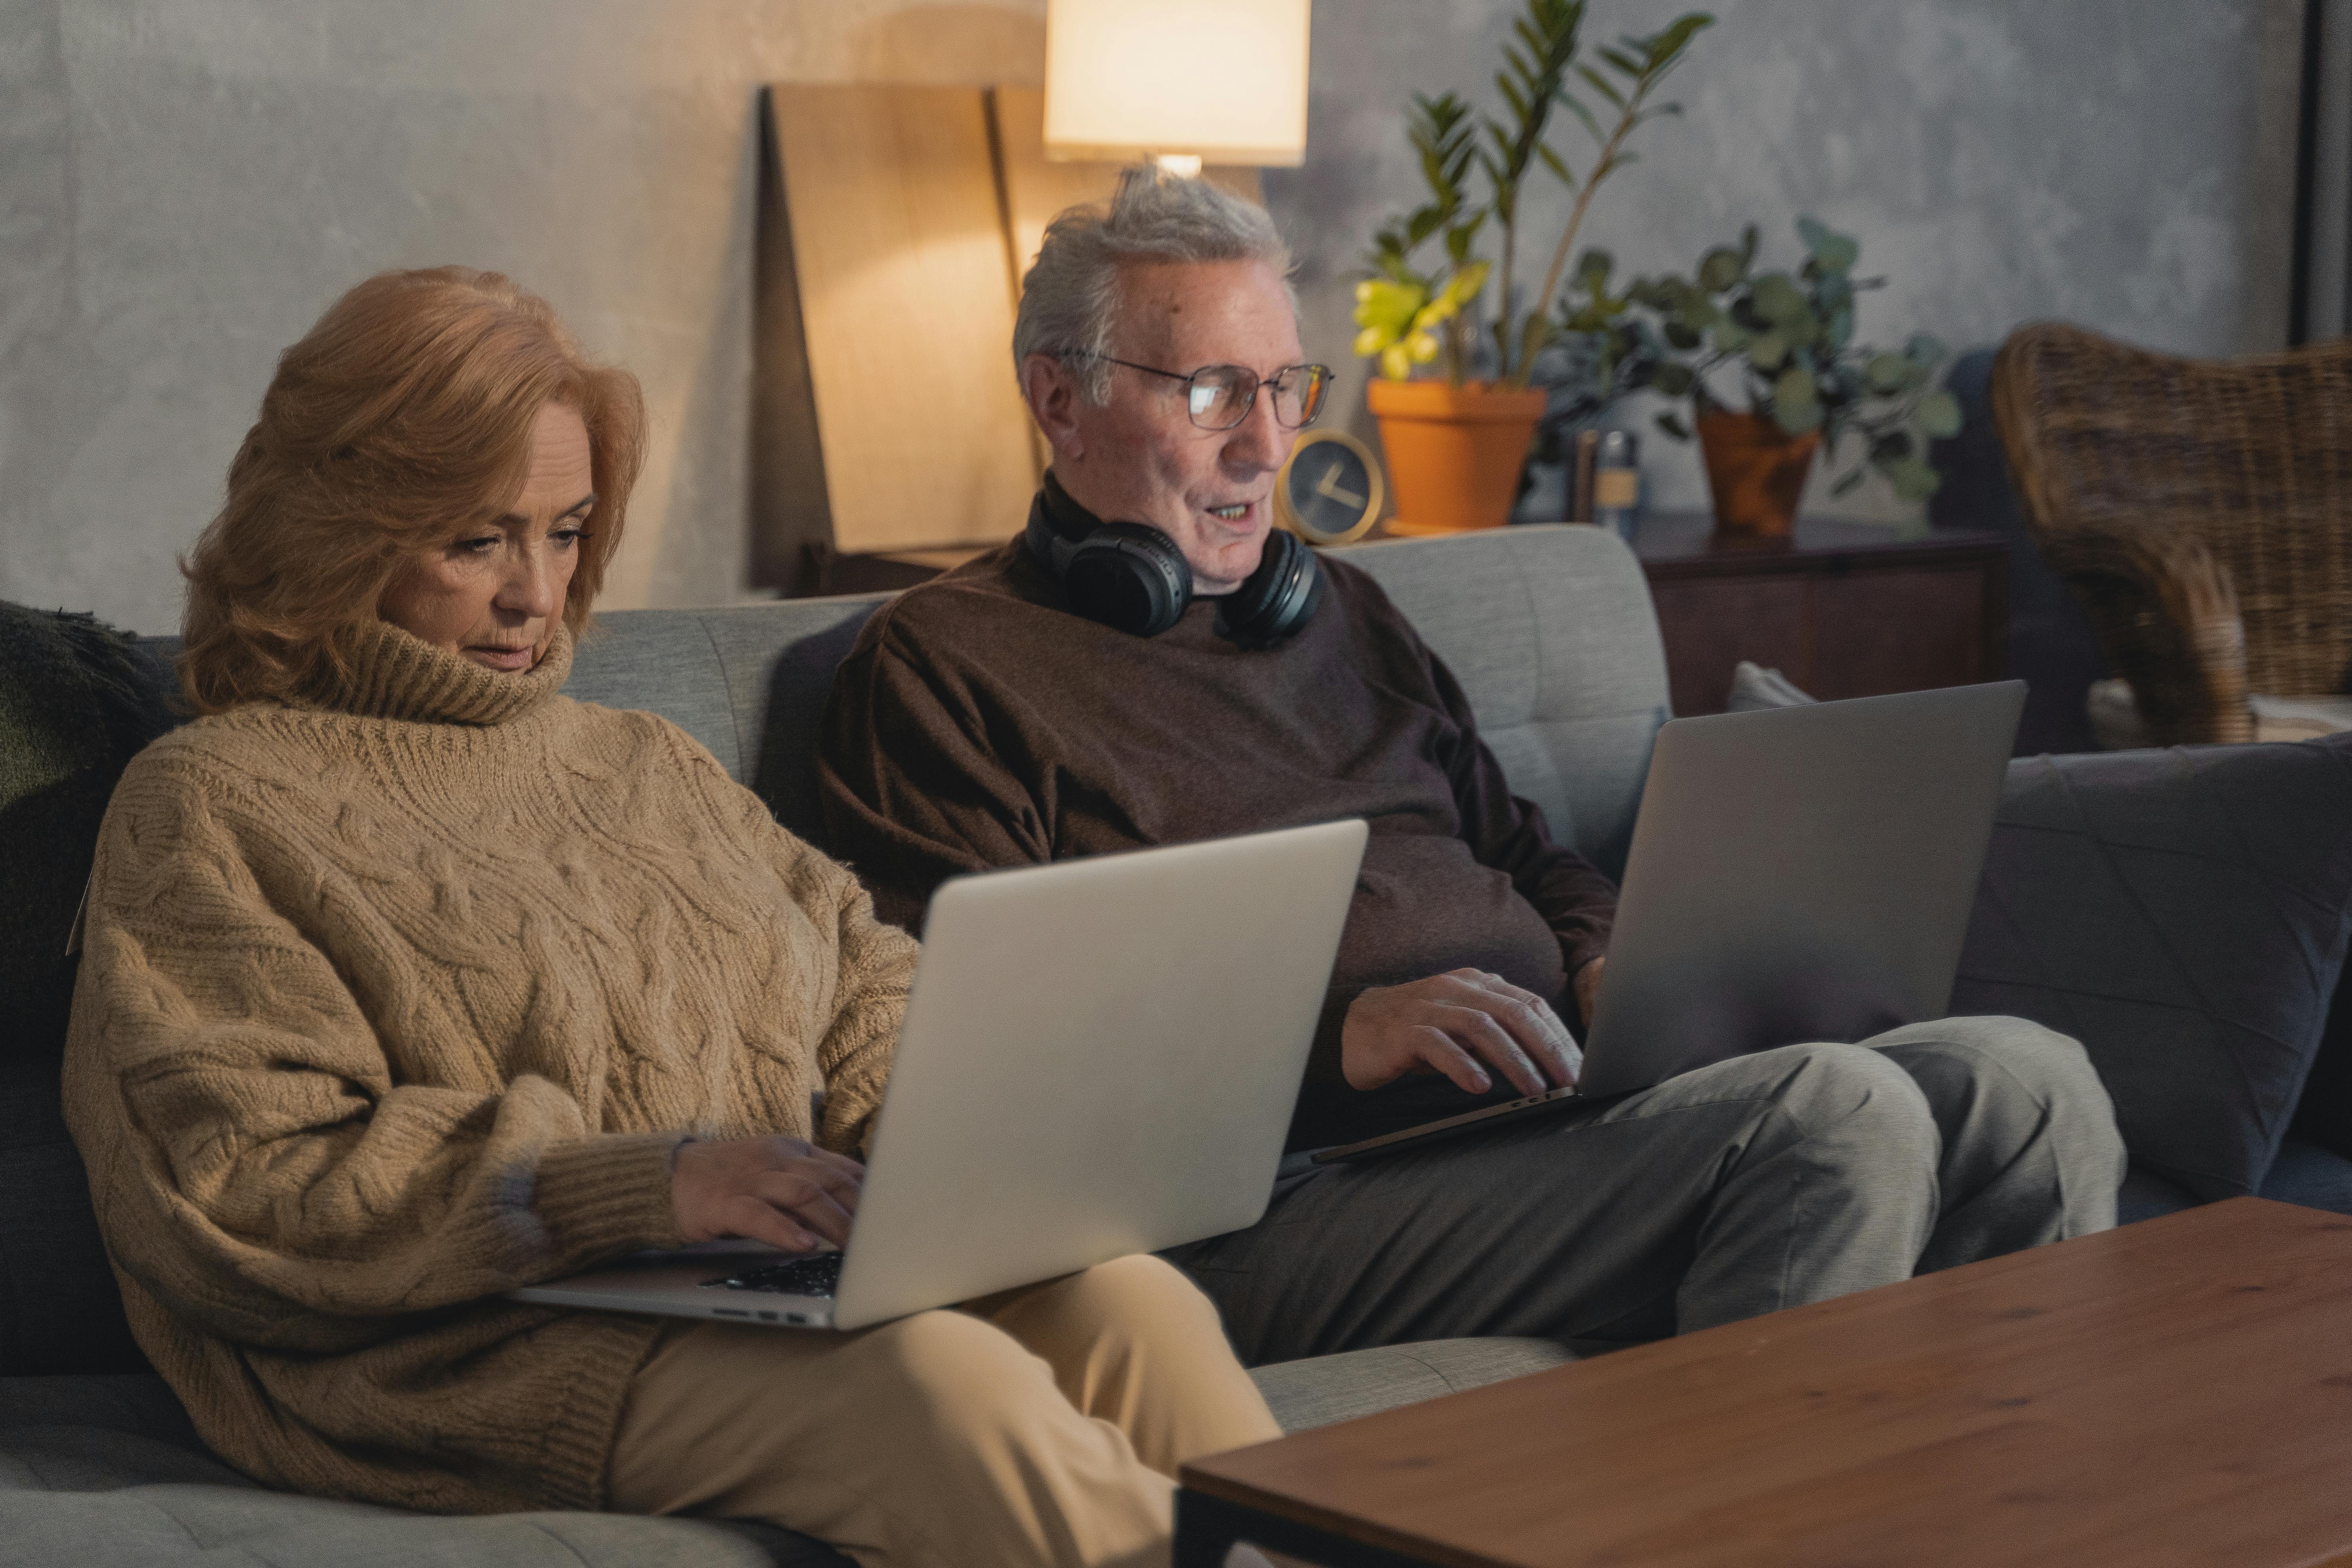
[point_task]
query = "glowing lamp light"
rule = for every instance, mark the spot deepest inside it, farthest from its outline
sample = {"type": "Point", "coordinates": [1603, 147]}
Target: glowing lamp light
{"type": "Point", "coordinates": [1179, 80]}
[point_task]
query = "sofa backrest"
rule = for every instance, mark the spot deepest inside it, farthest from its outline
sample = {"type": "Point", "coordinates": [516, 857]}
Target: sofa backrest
{"type": "Point", "coordinates": [1549, 628]}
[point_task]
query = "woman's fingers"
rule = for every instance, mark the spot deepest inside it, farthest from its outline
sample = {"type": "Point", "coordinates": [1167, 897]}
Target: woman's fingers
{"type": "Point", "coordinates": [816, 1201]}
{"type": "Point", "coordinates": [749, 1217]}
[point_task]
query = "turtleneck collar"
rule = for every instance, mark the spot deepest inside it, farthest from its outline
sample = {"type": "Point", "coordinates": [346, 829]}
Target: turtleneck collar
{"type": "Point", "coordinates": [396, 675]}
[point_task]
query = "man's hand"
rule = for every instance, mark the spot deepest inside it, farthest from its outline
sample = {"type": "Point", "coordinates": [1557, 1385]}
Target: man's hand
{"type": "Point", "coordinates": [1462, 1024]}
{"type": "Point", "coordinates": [786, 1191]}
{"type": "Point", "coordinates": [1587, 985]}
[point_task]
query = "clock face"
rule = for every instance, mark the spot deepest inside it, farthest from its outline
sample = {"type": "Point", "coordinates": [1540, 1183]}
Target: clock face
{"type": "Point", "coordinates": [1330, 489]}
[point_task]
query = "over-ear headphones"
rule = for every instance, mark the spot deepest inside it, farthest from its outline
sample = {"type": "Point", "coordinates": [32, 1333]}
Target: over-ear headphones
{"type": "Point", "coordinates": [1132, 576]}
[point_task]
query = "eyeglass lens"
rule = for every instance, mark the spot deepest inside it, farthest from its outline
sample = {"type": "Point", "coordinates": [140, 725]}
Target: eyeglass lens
{"type": "Point", "coordinates": [1220, 396]}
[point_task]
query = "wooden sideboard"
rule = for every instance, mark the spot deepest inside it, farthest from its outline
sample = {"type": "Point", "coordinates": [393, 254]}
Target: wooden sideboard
{"type": "Point", "coordinates": [1840, 609]}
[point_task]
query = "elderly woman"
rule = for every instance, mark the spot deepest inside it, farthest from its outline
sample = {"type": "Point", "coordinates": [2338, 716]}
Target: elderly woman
{"type": "Point", "coordinates": [408, 981]}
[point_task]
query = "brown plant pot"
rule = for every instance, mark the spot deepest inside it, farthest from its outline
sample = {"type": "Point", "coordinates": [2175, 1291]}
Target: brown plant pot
{"type": "Point", "coordinates": [1454, 452]}
{"type": "Point", "coordinates": [1756, 469]}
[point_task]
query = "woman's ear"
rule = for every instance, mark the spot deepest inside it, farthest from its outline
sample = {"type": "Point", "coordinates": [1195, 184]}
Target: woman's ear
{"type": "Point", "coordinates": [1051, 389]}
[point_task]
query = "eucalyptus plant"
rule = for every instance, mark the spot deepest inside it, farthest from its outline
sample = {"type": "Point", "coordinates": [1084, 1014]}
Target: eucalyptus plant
{"type": "Point", "coordinates": [1409, 316]}
{"type": "Point", "coordinates": [1790, 339]}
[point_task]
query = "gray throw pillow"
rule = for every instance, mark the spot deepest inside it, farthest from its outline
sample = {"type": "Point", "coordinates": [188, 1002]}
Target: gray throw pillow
{"type": "Point", "coordinates": [2183, 914]}
{"type": "Point", "coordinates": [1753, 686]}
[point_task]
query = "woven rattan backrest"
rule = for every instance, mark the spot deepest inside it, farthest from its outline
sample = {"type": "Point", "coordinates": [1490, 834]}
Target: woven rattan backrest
{"type": "Point", "coordinates": [2252, 456]}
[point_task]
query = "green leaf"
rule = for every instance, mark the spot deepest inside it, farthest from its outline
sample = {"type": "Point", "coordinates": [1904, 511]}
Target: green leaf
{"type": "Point", "coordinates": [1813, 232]}
{"type": "Point", "coordinates": [1766, 351]}
{"type": "Point", "coordinates": [1672, 423]}
{"type": "Point", "coordinates": [1841, 328]}
{"type": "Point", "coordinates": [1593, 266]}
{"type": "Point", "coordinates": [1888, 374]}
{"type": "Point", "coordinates": [1603, 85]}
{"type": "Point", "coordinates": [1778, 300]}
{"type": "Point", "coordinates": [1939, 414]}
{"type": "Point", "coordinates": [1386, 306]}
{"type": "Point", "coordinates": [1623, 62]}
{"type": "Point", "coordinates": [1796, 385]}
{"type": "Point", "coordinates": [1681, 336]}
{"type": "Point", "coordinates": [1729, 336]}
{"type": "Point", "coordinates": [1674, 380]}
{"type": "Point", "coordinates": [1721, 269]}
{"type": "Point", "coordinates": [1914, 479]}
{"type": "Point", "coordinates": [1892, 445]}
{"type": "Point", "coordinates": [1558, 169]}
{"type": "Point", "coordinates": [1747, 249]}
{"type": "Point", "coordinates": [1796, 418]}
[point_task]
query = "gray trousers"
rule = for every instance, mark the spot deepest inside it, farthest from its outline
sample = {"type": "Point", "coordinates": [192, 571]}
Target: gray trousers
{"type": "Point", "coordinates": [1768, 1181]}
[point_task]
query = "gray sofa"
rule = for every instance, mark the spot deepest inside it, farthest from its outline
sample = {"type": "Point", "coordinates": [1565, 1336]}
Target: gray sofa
{"type": "Point", "coordinates": [1551, 634]}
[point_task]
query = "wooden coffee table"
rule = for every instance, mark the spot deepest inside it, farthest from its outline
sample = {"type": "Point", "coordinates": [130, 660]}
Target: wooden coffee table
{"type": "Point", "coordinates": [2178, 1392]}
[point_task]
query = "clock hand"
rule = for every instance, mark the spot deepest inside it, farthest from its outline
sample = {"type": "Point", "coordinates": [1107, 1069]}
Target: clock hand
{"type": "Point", "coordinates": [1328, 489]}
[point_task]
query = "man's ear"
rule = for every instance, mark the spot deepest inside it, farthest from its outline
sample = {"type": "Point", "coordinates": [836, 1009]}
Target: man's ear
{"type": "Point", "coordinates": [1051, 389]}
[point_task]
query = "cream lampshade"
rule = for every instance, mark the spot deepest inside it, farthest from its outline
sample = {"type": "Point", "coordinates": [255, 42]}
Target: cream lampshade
{"type": "Point", "coordinates": [1180, 80]}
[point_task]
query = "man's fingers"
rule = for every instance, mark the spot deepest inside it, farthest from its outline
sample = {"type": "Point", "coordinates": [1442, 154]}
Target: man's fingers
{"type": "Point", "coordinates": [1528, 1016]}
{"type": "Point", "coordinates": [1438, 1050]}
{"type": "Point", "coordinates": [1477, 1028]}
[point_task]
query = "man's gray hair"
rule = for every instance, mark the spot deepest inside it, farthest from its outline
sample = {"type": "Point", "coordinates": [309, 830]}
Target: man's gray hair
{"type": "Point", "coordinates": [1069, 301]}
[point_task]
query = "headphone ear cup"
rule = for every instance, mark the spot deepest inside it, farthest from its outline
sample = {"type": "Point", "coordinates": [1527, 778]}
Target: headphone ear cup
{"type": "Point", "coordinates": [1278, 598]}
{"type": "Point", "coordinates": [1129, 576]}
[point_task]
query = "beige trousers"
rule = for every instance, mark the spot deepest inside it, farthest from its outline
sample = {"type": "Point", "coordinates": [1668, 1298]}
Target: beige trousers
{"type": "Point", "coordinates": [1041, 1426]}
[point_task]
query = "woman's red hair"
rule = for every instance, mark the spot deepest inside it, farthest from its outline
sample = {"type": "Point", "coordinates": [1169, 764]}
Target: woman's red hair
{"type": "Point", "coordinates": [401, 422]}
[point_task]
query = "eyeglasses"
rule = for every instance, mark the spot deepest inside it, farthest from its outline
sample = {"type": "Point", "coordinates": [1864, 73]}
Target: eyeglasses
{"type": "Point", "coordinates": [1220, 396]}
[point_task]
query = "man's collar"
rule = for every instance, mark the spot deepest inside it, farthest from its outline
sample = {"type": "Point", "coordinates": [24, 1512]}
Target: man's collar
{"type": "Point", "coordinates": [1064, 515]}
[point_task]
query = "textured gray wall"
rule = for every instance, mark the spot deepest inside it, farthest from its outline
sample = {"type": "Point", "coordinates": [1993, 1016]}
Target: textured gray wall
{"type": "Point", "coordinates": [185, 184]}
{"type": "Point", "coordinates": [2128, 164]}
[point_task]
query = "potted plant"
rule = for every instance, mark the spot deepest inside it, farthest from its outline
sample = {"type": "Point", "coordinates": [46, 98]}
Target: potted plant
{"type": "Point", "coordinates": [1789, 339]}
{"type": "Point", "coordinates": [1455, 446]}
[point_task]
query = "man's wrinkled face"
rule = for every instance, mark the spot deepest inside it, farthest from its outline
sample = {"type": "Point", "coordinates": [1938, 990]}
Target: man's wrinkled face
{"type": "Point", "coordinates": [1139, 457]}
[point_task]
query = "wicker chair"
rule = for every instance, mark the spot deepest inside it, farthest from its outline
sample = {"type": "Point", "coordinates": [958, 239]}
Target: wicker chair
{"type": "Point", "coordinates": [2202, 510]}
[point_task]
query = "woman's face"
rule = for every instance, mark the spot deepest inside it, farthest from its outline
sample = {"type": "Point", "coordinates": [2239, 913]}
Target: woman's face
{"type": "Point", "coordinates": [494, 596]}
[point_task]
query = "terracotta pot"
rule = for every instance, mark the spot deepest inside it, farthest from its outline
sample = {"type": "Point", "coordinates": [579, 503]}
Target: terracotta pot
{"type": "Point", "coordinates": [1454, 452]}
{"type": "Point", "coordinates": [1756, 469]}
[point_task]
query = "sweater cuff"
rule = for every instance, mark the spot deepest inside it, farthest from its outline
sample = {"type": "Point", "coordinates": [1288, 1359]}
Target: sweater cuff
{"type": "Point", "coordinates": [603, 1196]}
{"type": "Point", "coordinates": [1325, 1067]}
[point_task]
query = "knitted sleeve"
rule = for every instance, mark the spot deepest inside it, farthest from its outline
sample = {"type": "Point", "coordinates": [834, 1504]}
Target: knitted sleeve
{"type": "Point", "coordinates": [252, 1162]}
{"type": "Point", "coordinates": [873, 962]}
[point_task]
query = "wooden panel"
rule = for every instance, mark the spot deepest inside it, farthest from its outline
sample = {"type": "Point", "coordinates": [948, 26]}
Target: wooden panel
{"type": "Point", "coordinates": [905, 306]}
{"type": "Point", "coordinates": [2175, 1393]}
{"type": "Point", "coordinates": [1035, 190]}
{"type": "Point", "coordinates": [1710, 624]}
{"type": "Point", "coordinates": [1884, 631]}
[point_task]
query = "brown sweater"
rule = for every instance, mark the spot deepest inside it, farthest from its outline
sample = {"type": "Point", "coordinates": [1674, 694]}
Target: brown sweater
{"type": "Point", "coordinates": [394, 1002]}
{"type": "Point", "coordinates": [979, 724]}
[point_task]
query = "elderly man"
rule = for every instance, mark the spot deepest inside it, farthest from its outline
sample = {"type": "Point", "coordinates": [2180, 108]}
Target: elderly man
{"type": "Point", "coordinates": [1147, 664]}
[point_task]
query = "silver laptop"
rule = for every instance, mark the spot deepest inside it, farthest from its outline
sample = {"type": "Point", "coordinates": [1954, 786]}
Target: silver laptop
{"type": "Point", "coordinates": [1099, 1058]}
{"type": "Point", "coordinates": [1797, 874]}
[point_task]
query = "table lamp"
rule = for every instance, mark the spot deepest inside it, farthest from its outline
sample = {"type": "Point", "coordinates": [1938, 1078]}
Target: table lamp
{"type": "Point", "coordinates": [1178, 80]}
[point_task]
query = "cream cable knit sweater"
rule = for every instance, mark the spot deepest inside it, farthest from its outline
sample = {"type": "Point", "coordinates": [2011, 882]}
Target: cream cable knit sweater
{"type": "Point", "coordinates": [394, 1002]}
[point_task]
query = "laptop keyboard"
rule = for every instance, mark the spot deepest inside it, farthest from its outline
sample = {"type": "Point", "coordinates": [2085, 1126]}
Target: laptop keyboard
{"type": "Point", "coordinates": [814, 1276]}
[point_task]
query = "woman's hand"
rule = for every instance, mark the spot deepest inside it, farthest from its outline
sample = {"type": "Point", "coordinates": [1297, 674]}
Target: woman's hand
{"type": "Point", "coordinates": [786, 1191]}
{"type": "Point", "coordinates": [1464, 1024]}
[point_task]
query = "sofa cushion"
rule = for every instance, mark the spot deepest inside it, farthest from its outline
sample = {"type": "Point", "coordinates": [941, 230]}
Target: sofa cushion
{"type": "Point", "coordinates": [76, 702]}
{"type": "Point", "coordinates": [109, 1470]}
{"type": "Point", "coordinates": [1550, 629]}
{"type": "Point", "coordinates": [2182, 913]}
